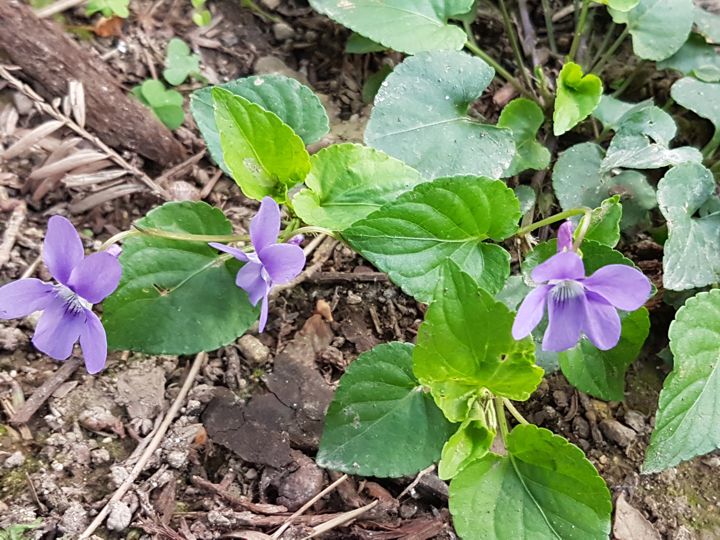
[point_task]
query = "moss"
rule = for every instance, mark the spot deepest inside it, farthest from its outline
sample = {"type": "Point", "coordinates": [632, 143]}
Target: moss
{"type": "Point", "coordinates": [15, 481]}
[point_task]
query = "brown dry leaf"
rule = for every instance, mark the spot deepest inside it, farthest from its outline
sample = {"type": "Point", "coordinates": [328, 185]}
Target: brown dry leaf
{"type": "Point", "coordinates": [108, 27]}
{"type": "Point", "coordinates": [323, 309]}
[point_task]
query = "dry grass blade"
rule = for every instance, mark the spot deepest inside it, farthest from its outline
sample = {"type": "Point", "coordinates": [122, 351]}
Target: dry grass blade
{"type": "Point", "coordinates": [66, 164]}
{"type": "Point", "coordinates": [8, 120]}
{"type": "Point", "coordinates": [104, 196]}
{"type": "Point", "coordinates": [28, 140]}
{"type": "Point", "coordinates": [89, 179]}
{"type": "Point", "coordinates": [77, 102]}
{"type": "Point", "coordinates": [340, 520]}
{"type": "Point", "coordinates": [12, 229]}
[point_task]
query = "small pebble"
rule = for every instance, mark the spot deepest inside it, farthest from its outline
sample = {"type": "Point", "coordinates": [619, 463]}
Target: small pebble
{"type": "Point", "coordinates": [120, 516]}
{"type": "Point", "coordinates": [253, 349]}
{"type": "Point", "coordinates": [101, 455]}
{"type": "Point", "coordinates": [283, 31]}
{"type": "Point", "coordinates": [617, 432]}
{"type": "Point", "coordinates": [635, 420]}
{"type": "Point", "coordinates": [16, 459]}
{"type": "Point", "coordinates": [354, 299]}
{"type": "Point", "coordinates": [176, 458]}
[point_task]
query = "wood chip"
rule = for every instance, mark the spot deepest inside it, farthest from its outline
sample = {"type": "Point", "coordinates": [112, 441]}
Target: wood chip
{"type": "Point", "coordinates": [32, 138]}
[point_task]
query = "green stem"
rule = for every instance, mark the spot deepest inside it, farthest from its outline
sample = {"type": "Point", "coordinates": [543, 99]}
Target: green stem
{"type": "Point", "coordinates": [712, 145]}
{"type": "Point", "coordinates": [549, 26]}
{"type": "Point", "coordinates": [603, 44]}
{"type": "Point", "coordinates": [158, 233]}
{"type": "Point", "coordinates": [502, 421]}
{"type": "Point", "coordinates": [579, 29]}
{"type": "Point", "coordinates": [308, 229]}
{"type": "Point", "coordinates": [598, 67]}
{"type": "Point", "coordinates": [554, 219]}
{"type": "Point", "coordinates": [514, 44]}
{"type": "Point", "coordinates": [504, 73]}
{"type": "Point", "coordinates": [582, 229]}
{"type": "Point", "coordinates": [516, 414]}
{"type": "Point", "coordinates": [117, 238]}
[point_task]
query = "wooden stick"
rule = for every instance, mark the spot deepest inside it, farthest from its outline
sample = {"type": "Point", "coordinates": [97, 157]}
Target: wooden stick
{"type": "Point", "coordinates": [154, 443]}
{"type": "Point", "coordinates": [44, 391]}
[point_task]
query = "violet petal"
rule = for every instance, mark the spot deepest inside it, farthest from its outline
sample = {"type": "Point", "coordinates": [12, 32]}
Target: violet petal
{"type": "Point", "coordinates": [565, 322]}
{"type": "Point", "coordinates": [250, 278]}
{"type": "Point", "coordinates": [564, 265]}
{"type": "Point", "coordinates": [265, 226]}
{"type": "Point", "coordinates": [565, 237]}
{"type": "Point", "coordinates": [531, 312]}
{"type": "Point", "coordinates": [58, 330]}
{"type": "Point", "coordinates": [96, 277]}
{"type": "Point", "coordinates": [264, 309]}
{"type": "Point", "coordinates": [22, 297]}
{"type": "Point", "coordinates": [93, 341]}
{"type": "Point", "coordinates": [602, 322]}
{"type": "Point", "coordinates": [235, 252]}
{"type": "Point", "coordinates": [623, 286]}
{"type": "Point", "coordinates": [282, 262]}
{"type": "Point", "coordinates": [62, 249]}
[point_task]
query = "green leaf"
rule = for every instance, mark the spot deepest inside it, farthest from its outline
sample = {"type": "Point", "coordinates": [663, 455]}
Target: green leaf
{"type": "Point", "coordinates": [421, 116]}
{"type": "Point", "coordinates": [381, 422]}
{"type": "Point", "coordinates": [688, 417]}
{"type": "Point", "coordinates": [700, 97]}
{"type": "Point", "coordinates": [602, 373]}
{"type": "Point", "coordinates": [658, 27]}
{"type": "Point", "coordinates": [524, 117]}
{"type": "Point", "coordinates": [469, 443]}
{"type": "Point", "coordinates": [708, 24]}
{"type": "Point", "coordinates": [577, 97]}
{"type": "Point", "coordinates": [264, 155]}
{"type": "Point", "coordinates": [637, 152]}
{"type": "Point", "coordinates": [166, 104]}
{"type": "Point", "coordinates": [349, 181]}
{"type": "Point", "coordinates": [373, 83]}
{"type": "Point", "coordinates": [294, 103]}
{"type": "Point", "coordinates": [357, 44]}
{"type": "Point", "coordinates": [642, 118]}
{"type": "Point", "coordinates": [466, 339]}
{"type": "Point", "coordinates": [514, 292]}
{"type": "Point", "coordinates": [180, 63]}
{"type": "Point", "coordinates": [177, 297]}
{"type": "Point", "coordinates": [108, 8]}
{"type": "Point", "coordinates": [526, 196]}
{"type": "Point", "coordinates": [202, 17]}
{"type": "Point", "coordinates": [544, 488]}
{"type": "Point", "coordinates": [692, 251]}
{"type": "Point", "coordinates": [450, 218]}
{"type": "Point", "coordinates": [578, 181]}
{"type": "Point", "coordinates": [408, 26]}
{"type": "Point", "coordinates": [605, 222]}
{"type": "Point", "coordinates": [696, 54]}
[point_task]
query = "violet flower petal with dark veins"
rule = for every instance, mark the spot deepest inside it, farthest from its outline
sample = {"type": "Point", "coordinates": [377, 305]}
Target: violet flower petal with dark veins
{"type": "Point", "coordinates": [67, 306]}
{"type": "Point", "coordinates": [272, 263]}
{"type": "Point", "coordinates": [577, 304]}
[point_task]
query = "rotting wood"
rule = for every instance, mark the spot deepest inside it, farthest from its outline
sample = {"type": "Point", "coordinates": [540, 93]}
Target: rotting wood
{"type": "Point", "coordinates": [52, 59]}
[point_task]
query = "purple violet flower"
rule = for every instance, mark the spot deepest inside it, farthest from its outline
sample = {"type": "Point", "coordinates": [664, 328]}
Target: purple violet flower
{"type": "Point", "coordinates": [271, 264]}
{"type": "Point", "coordinates": [67, 306]}
{"type": "Point", "coordinates": [577, 304]}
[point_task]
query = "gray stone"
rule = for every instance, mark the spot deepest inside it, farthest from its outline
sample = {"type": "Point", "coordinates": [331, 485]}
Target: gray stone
{"type": "Point", "coordinates": [16, 459]}
{"type": "Point", "coordinates": [630, 524]}
{"type": "Point", "coordinates": [119, 517]}
{"type": "Point", "coordinates": [616, 432]}
{"type": "Point", "coordinates": [283, 31]}
{"type": "Point", "coordinates": [253, 349]}
{"type": "Point", "coordinates": [635, 420]}
{"type": "Point", "coordinates": [74, 520]}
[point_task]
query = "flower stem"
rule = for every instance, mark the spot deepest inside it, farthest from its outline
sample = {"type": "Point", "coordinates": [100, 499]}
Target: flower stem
{"type": "Point", "coordinates": [502, 421]}
{"type": "Point", "coordinates": [712, 145]}
{"type": "Point", "coordinates": [598, 67]}
{"type": "Point", "coordinates": [514, 44]}
{"type": "Point", "coordinates": [308, 229]}
{"type": "Point", "coordinates": [582, 229]}
{"type": "Point", "coordinates": [117, 238]}
{"type": "Point", "coordinates": [554, 219]}
{"type": "Point", "coordinates": [516, 414]}
{"type": "Point", "coordinates": [170, 235]}
{"type": "Point", "coordinates": [549, 25]}
{"type": "Point", "coordinates": [579, 29]}
{"type": "Point", "coordinates": [603, 44]}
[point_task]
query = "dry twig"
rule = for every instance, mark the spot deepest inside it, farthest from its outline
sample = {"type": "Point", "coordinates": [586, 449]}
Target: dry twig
{"type": "Point", "coordinates": [11, 231]}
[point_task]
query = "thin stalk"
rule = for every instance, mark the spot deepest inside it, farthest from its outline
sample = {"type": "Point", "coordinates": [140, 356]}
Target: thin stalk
{"type": "Point", "coordinates": [549, 26]}
{"type": "Point", "coordinates": [712, 145]}
{"type": "Point", "coordinates": [554, 219]}
{"type": "Point", "coordinates": [287, 234]}
{"type": "Point", "coordinates": [515, 44]}
{"type": "Point", "coordinates": [502, 421]}
{"type": "Point", "coordinates": [505, 74]}
{"type": "Point", "coordinates": [158, 233]}
{"type": "Point", "coordinates": [579, 29]}
{"type": "Point", "coordinates": [582, 229]}
{"type": "Point", "coordinates": [117, 238]}
{"type": "Point", "coordinates": [603, 44]}
{"type": "Point", "coordinates": [516, 414]}
{"type": "Point", "coordinates": [598, 67]}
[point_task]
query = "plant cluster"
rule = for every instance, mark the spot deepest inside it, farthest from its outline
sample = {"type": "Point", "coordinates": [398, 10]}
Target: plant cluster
{"type": "Point", "coordinates": [428, 201]}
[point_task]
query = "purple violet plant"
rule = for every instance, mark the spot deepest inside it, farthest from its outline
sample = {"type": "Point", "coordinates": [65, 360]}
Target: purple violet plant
{"type": "Point", "coordinates": [66, 305]}
{"type": "Point", "coordinates": [577, 304]}
{"type": "Point", "coordinates": [272, 263]}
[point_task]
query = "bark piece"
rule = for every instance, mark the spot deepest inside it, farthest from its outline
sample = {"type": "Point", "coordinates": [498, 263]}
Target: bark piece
{"type": "Point", "coordinates": [52, 59]}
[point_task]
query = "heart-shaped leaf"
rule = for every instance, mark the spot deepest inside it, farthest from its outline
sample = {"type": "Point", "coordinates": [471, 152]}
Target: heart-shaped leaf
{"type": "Point", "coordinates": [524, 117]}
{"type": "Point", "coordinates": [166, 104]}
{"type": "Point", "coordinates": [658, 27]}
{"type": "Point", "coordinates": [466, 340]}
{"type": "Point", "coordinates": [357, 44]}
{"type": "Point", "coordinates": [411, 238]}
{"type": "Point", "coordinates": [421, 117]}
{"type": "Point", "coordinates": [605, 222]}
{"type": "Point", "coordinates": [294, 103]}
{"type": "Point", "coordinates": [578, 181]}
{"type": "Point", "coordinates": [408, 26]}
{"type": "Point", "coordinates": [469, 443]}
{"type": "Point", "coordinates": [180, 63]}
{"type": "Point", "coordinates": [577, 97]}
{"type": "Point", "coordinates": [702, 98]}
{"type": "Point", "coordinates": [688, 417]}
{"type": "Point", "coordinates": [264, 156]}
{"type": "Point", "coordinates": [177, 297]}
{"type": "Point", "coordinates": [692, 251]}
{"type": "Point", "coordinates": [544, 483]}
{"type": "Point", "coordinates": [708, 24]}
{"type": "Point", "coordinates": [381, 422]}
{"type": "Point", "coordinates": [695, 57]}
{"type": "Point", "coordinates": [637, 152]}
{"type": "Point", "coordinates": [349, 181]}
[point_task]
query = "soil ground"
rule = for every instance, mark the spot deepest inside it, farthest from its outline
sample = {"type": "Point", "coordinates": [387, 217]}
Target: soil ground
{"type": "Point", "coordinates": [239, 455]}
